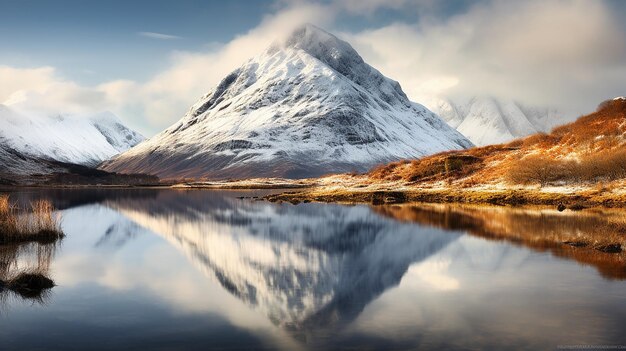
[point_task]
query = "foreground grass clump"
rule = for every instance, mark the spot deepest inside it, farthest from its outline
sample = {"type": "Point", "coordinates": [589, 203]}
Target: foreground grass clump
{"type": "Point", "coordinates": [39, 224]}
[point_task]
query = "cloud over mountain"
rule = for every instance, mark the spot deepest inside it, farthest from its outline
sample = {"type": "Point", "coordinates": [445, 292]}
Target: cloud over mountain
{"type": "Point", "coordinates": [567, 54]}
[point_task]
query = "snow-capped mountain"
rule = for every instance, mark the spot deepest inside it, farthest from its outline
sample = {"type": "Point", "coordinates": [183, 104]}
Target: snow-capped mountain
{"type": "Point", "coordinates": [306, 106]}
{"type": "Point", "coordinates": [27, 138]}
{"type": "Point", "coordinates": [487, 120]}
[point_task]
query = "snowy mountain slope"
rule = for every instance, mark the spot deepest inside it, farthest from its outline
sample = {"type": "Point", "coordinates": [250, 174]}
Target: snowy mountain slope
{"type": "Point", "coordinates": [13, 162]}
{"type": "Point", "coordinates": [486, 120]}
{"type": "Point", "coordinates": [306, 106]}
{"type": "Point", "coordinates": [83, 140]}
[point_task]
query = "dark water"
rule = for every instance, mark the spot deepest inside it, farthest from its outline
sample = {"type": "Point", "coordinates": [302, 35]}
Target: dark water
{"type": "Point", "coordinates": [202, 270]}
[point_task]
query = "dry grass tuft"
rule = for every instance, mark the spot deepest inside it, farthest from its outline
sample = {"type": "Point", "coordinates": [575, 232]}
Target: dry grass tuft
{"type": "Point", "coordinates": [39, 224]}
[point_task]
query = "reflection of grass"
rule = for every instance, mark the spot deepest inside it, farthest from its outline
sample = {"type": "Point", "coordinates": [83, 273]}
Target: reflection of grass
{"type": "Point", "coordinates": [29, 284]}
{"type": "Point", "coordinates": [39, 224]}
{"type": "Point", "coordinates": [592, 237]}
{"type": "Point", "coordinates": [24, 271]}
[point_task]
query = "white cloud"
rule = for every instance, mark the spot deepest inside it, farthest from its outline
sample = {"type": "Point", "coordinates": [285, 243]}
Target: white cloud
{"type": "Point", "coordinates": [160, 36]}
{"type": "Point", "coordinates": [564, 53]}
{"type": "Point", "coordinates": [158, 102]}
{"type": "Point", "coordinates": [368, 7]}
{"type": "Point", "coordinates": [43, 89]}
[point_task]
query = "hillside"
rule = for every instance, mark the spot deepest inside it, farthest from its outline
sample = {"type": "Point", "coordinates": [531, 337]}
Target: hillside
{"type": "Point", "coordinates": [591, 149]}
{"type": "Point", "coordinates": [38, 148]}
{"type": "Point", "coordinates": [82, 140]}
{"type": "Point", "coordinates": [582, 163]}
{"type": "Point", "coordinates": [307, 106]}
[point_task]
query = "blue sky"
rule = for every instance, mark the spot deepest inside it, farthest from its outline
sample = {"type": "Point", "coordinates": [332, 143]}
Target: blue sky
{"type": "Point", "coordinates": [92, 41]}
{"type": "Point", "coordinates": [80, 56]}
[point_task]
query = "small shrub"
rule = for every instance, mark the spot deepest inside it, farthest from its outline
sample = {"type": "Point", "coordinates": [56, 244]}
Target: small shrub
{"type": "Point", "coordinates": [537, 169]}
{"type": "Point", "coordinates": [606, 165]}
{"type": "Point", "coordinates": [598, 167]}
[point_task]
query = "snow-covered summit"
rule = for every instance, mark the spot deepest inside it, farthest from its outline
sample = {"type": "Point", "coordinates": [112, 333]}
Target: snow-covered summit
{"type": "Point", "coordinates": [341, 57]}
{"type": "Point", "coordinates": [85, 140]}
{"type": "Point", "coordinates": [306, 106]}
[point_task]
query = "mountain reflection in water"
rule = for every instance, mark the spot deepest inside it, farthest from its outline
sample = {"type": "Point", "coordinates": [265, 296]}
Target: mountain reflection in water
{"type": "Point", "coordinates": [308, 267]}
{"type": "Point", "coordinates": [152, 269]}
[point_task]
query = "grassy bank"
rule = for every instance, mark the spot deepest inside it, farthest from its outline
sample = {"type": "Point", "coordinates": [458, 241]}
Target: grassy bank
{"type": "Point", "coordinates": [578, 226]}
{"type": "Point", "coordinates": [39, 223]}
{"type": "Point", "coordinates": [377, 196]}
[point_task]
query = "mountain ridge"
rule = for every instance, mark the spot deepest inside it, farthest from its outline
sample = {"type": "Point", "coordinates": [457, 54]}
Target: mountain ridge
{"type": "Point", "coordinates": [487, 120]}
{"type": "Point", "coordinates": [35, 143]}
{"type": "Point", "coordinates": [306, 106]}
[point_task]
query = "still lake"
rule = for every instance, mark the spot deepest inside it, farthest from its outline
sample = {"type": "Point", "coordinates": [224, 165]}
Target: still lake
{"type": "Point", "coordinates": [148, 269]}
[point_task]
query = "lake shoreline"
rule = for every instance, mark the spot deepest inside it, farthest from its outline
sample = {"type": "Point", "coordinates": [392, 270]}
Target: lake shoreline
{"type": "Point", "coordinates": [496, 197]}
{"type": "Point", "coordinates": [352, 190]}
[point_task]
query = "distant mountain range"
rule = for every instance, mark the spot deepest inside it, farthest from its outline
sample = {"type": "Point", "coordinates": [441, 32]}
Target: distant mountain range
{"type": "Point", "coordinates": [487, 120]}
{"type": "Point", "coordinates": [305, 107]}
{"type": "Point", "coordinates": [33, 143]}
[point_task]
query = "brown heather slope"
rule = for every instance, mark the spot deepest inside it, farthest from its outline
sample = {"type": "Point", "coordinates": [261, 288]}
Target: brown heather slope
{"type": "Point", "coordinates": [591, 149]}
{"type": "Point", "coordinates": [578, 164]}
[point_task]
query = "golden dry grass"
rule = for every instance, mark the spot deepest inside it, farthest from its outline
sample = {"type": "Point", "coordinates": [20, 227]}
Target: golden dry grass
{"type": "Point", "coordinates": [604, 166]}
{"type": "Point", "coordinates": [589, 150]}
{"type": "Point", "coordinates": [577, 200]}
{"type": "Point", "coordinates": [39, 224]}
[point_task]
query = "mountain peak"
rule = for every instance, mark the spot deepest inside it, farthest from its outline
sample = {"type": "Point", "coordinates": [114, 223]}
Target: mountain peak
{"type": "Point", "coordinates": [309, 105]}
{"type": "Point", "coordinates": [325, 47]}
{"type": "Point", "coordinates": [311, 38]}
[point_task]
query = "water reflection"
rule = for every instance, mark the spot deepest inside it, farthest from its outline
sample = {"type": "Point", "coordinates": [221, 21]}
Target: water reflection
{"type": "Point", "coordinates": [311, 269]}
{"type": "Point", "coordinates": [25, 271]}
{"type": "Point", "coordinates": [581, 236]}
{"type": "Point", "coordinates": [202, 269]}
